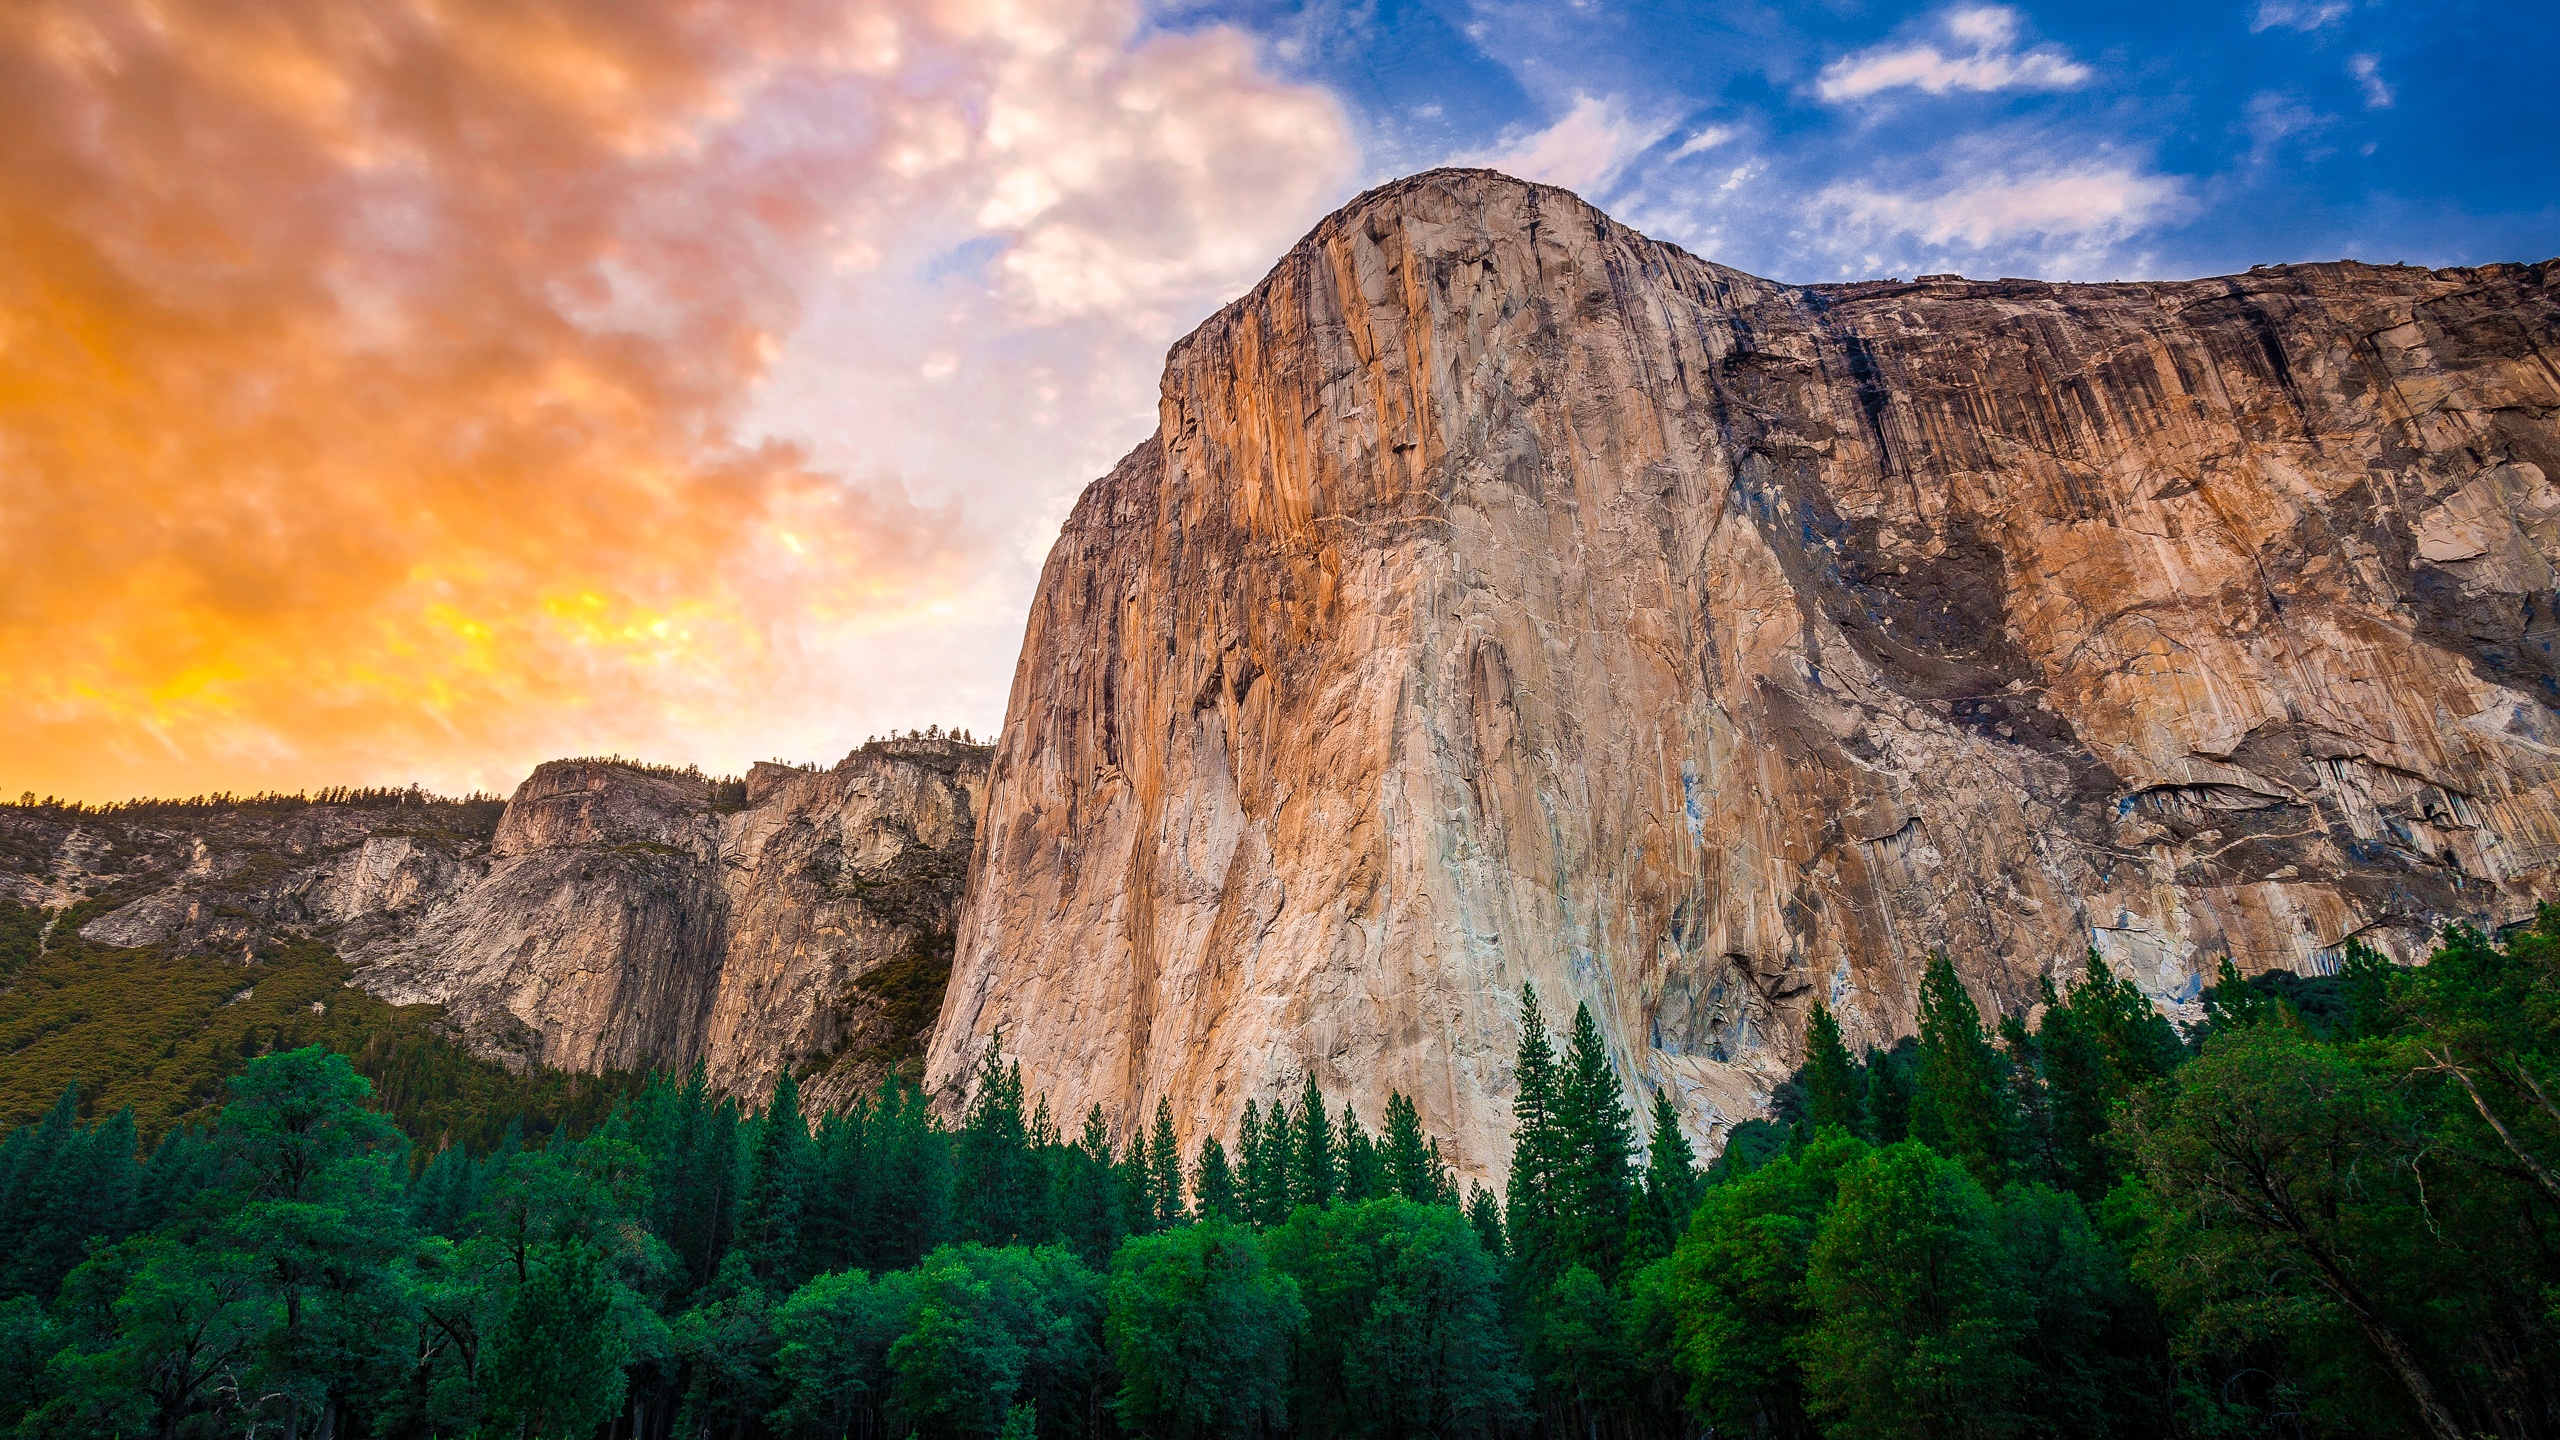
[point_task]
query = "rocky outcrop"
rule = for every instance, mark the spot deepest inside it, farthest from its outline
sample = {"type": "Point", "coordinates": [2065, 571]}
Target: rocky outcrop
{"type": "Point", "coordinates": [613, 916]}
{"type": "Point", "coordinates": [1506, 598]}
{"type": "Point", "coordinates": [625, 921]}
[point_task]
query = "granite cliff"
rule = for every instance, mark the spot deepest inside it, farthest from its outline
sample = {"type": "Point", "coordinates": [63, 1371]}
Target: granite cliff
{"type": "Point", "coordinates": [609, 916]}
{"type": "Point", "coordinates": [1506, 598]}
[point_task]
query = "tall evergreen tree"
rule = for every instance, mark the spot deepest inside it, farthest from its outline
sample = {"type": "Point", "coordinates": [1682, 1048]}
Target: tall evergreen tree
{"type": "Point", "coordinates": [1412, 1170]}
{"type": "Point", "coordinates": [1164, 1169]}
{"type": "Point", "coordinates": [1314, 1177]}
{"type": "Point", "coordinates": [1088, 1204]}
{"type": "Point", "coordinates": [994, 1170]}
{"type": "Point", "coordinates": [777, 1185]}
{"type": "Point", "coordinates": [1135, 1175]}
{"type": "Point", "coordinates": [1959, 1107]}
{"type": "Point", "coordinates": [2096, 1046]}
{"type": "Point", "coordinates": [1538, 1145]}
{"type": "Point", "coordinates": [555, 1363]}
{"type": "Point", "coordinates": [1484, 1216]}
{"type": "Point", "coordinates": [1363, 1174]}
{"type": "Point", "coordinates": [1833, 1092]}
{"type": "Point", "coordinates": [1213, 1183]}
{"type": "Point", "coordinates": [1599, 1184]}
{"type": "Point", "coordinates": [1268, 1166]}
{"type": "Point", "coordinates": [1671, 1184]}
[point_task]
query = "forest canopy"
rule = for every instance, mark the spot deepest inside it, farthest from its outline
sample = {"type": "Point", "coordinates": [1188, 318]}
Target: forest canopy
{"type": "Point", "coordinates": [2327, 1212]}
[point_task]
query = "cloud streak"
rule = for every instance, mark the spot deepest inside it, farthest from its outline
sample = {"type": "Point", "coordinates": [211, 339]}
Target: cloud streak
{"type": "Point", "coordinates": [383, 389]}
{"type": "Point", "coordinates": [1990, 60]}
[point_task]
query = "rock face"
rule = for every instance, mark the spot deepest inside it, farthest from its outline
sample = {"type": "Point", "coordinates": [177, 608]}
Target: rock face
{"type": "Point", "coordinates": [614, 917]}
{"type": "Point", "coordinates": [1508, 598]}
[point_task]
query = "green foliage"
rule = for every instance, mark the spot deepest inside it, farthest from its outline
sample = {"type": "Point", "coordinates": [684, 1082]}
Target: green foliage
{"type": "Point", "coordinates": [2331, 1219]}
{"type": "Point", "coordinates": [1915, 1310]}
{"type": "Point", "coordinates": [1737, 1287]}
{"type": "Point", "coordinates": [1404, 1332]}
{"type": "Point", "coordinates": [555, 1363]}
{"type": "Point", "coordinates": [831, 1358]}
{"type": "Point", "coordinates": [1200, 1328]}
{"type": "Point", "coordinates": [160, 1034]}
{"type": "Point", "coordinates": [1833, 1088]}
{"type": "Point", "coordinates": [1671, 1183]}
{"type": "Point", "coordinates": [1958, 1106]}
{"type": "Point", "coordinates": [1313, 1177]}
{"type": "Point", "coordinates": [991, 1328]}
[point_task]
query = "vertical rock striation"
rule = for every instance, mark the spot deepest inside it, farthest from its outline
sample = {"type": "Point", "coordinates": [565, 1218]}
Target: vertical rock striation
{"type": "Point", "coordinates": [1508, 598]}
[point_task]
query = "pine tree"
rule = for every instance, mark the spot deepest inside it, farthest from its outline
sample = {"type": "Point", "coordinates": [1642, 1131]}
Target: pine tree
{"type": "Point", "coordinates": [1164, 1169]}
{"type": "Point", "coordinates": [777, 1171]}
{"type": "Point", "coordinates": [910, 1185]}
{"type": "Point", "coordinates": [1135, 1177]}
{"type": "Point", "coordinates": [1959, 1105]}
{"type": "Point", "coordinates": [1268, 1165]}
{"type": "Point", "coordinates": [1314, 1177]}
{"type": "Point", "coordinates": [1484, 1216]}
{"type": "Point", "coordinates": [1537, 1144]}
{"type": "Point", "coordinates": [1671, 1185]}
{"type": "Point", "coordinates": [1599, 1185]}
{"type": "Point", "coordinates": [2096, 1047]}
{"type": "Point", "coordinates": [1412, 1169]}
{"type": "Point", "coordinates": [1833, 1093]}
{"type": "Point", "coordinates": [1089, 1211]}
{"type": "Point", "coordinates": [995, 1170]}
{"type": "Point", "coordinates": [1444, 1178]}
{"type": "Point", "coordinates": [1363, 1173]}
{"type": "Point", "coordinates": [1214, 1184]}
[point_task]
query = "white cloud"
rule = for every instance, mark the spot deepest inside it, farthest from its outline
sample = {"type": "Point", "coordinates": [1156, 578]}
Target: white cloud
{"type": "Point", "coordinates": [1990, 60]}
{"type": "Point", "coordinates": [2272, 117]}
{"type": "Point", "coordinates": [2298, 14]}
{"type": "Point", "coordinates": [1585, 149]}
{"type": "Point", "coordinates": [2093, 204]}
{"type": "Point", "coordinates": [2368, 72]}
{"type": "Point", "coordinates": [1705, 140]}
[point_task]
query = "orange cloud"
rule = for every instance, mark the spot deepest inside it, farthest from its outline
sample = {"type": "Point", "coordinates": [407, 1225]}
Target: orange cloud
{"type": "Point", "coordinates": [374, 380]}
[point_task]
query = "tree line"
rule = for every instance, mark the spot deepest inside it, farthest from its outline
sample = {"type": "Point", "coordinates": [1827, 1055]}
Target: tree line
{"type": "Point", "coordinates": [2328, 1211]}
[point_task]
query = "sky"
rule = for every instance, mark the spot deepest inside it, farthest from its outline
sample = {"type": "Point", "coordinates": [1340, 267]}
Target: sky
{"type": "Point", "coordinates": [418, 390]}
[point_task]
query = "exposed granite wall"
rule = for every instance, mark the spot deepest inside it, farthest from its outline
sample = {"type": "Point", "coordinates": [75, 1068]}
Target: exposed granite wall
{"type": "Point", "coordinates": [1508, 597]}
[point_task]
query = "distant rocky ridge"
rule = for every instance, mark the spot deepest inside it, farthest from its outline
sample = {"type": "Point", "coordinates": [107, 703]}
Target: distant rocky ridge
{"type": "Point", "coordinates": [1507, 597]}
{"type": "Point", "coordinates": [612, 916]}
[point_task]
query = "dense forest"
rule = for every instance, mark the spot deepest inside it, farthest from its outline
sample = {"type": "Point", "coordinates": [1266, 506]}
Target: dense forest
{"type": "Point", "coordinates": [2327, 1212]}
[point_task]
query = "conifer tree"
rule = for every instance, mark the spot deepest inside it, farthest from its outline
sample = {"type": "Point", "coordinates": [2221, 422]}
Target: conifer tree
{"type": "Point", "coordinates": [555, 1364]}
{"type": "Point", "coordinates": [1484, 1216]}
{"type": "Point", "coordinates": [1444, 1178]}
{"type": "Point", "coordinates": [2096, 1047]}
{"type": "Point", "coordinates": [995, 1172]}
{"type": "Point", "coordinates": [1314, 1176]}
{"type": "Point", "coordinates": [1959, 1106]}
{"type": "Point", "coordinates": [1269, 1166]}
{"type": "Point", "coordinates": [1164, 1169]}
{"type": "Point", "coordinates": [1538, 1143]}
{"type": "Point", "coordinates": [1412, 1169]}
{"type": "Point", "coordinates": [1671, 1184]}
{"type": "Point", "coordinates": [1213, 1184]}
{"type": "Point", "coordinates": [1599, 1184]}
{"type": "Point", "coordinates": [777, 1177]}
{"type": "Point", "coordinates": [1088, 1207]}
{"type": "Point", "coordinates": [1363, 1175]}
{"type": "Point", "coordinates": [1833, 1092]}
{"type": "Point", "coordinates": [1135, 1176]}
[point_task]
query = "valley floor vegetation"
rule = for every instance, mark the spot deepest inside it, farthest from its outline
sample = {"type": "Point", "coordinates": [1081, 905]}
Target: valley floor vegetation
{"type": "Point", "coordinates": [2329, 1212]}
